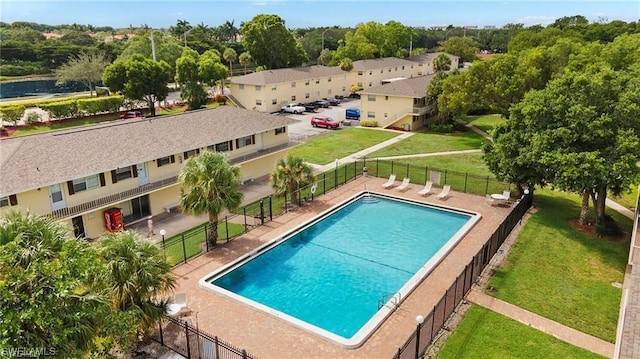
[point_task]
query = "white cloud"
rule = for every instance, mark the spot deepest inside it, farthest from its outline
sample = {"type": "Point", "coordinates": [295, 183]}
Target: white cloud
{"type": "Point", "coordinates": [535, 20]}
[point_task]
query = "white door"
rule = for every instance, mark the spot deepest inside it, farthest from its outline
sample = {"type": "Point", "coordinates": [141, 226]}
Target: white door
{"type": "Point", "coordinates": [259, 141]}
{"type": "Point", "coordinates": [57, 197]}
{"type": "Point", "coordinates": [143, 178]}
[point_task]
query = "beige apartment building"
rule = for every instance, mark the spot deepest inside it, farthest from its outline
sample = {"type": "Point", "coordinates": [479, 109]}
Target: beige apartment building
{"type": "Point", "coordinates": [399, 104]}
{"type": "Point", "coordinates": [79, 176]}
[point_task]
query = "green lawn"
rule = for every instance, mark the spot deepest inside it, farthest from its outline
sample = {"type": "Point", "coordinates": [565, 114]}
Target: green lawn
{"type": "Point", "coordinates": [484, 334]}
{"type": "Point", "coordinates": [337, 144]}
{"type": "Point", "coordinates": [193, 241]}
{"type": "Point", "coordinates": [627, 199]}
{"type": "Point", "coordinates": [432, 142]}
{"type": "Point", "coordinates": [60, 125]}
{"type": "Point", "coordinates": [486, 122]}
{"type": "Point", "coordinates": [562, 274]}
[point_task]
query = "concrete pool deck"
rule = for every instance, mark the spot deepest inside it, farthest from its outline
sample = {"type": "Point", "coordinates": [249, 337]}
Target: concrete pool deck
{"type": "Point", "coordinates": [267, 337]}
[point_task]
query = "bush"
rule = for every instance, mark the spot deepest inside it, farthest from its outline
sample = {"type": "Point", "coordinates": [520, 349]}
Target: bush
{"type": "Point", "coordinates": [441, 127]}
{"type": "Point", "coordinates": [608, 227]}
{"type": "Point", "coordinates": [62, 109]}
{"type": "Point", "coordinates": [12, 113]}
{"type": "Point", "coordinates": [33, 117]}
{"type": "Point", "coordinates": [369, 123]}
{"type": "Point", "coordinates": [221, 99]}
{"type": "Point", "coordinates": [93, 106]}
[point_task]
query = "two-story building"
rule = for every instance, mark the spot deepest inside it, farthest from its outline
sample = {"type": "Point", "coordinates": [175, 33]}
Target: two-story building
{"type": "Point", "coordinates": [398, 104]}
{"type": "Point", "coordinates": [269, 90]}
{"type": "Point", "coordinates": [374, 72]}
{"type": "Point", "coordinates": [425, 62]}
{"type": "Point", "coordinates": [78, 175]}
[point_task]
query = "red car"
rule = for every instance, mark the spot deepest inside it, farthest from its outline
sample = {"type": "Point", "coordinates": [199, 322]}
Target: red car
{"type": "Point", "coordinates": [131, 114]}
{"type": "Point", "coordinates": [327, 122]}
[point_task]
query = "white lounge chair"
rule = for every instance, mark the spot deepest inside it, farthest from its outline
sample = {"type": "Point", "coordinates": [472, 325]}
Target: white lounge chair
{"type": "Point", "coordinates": [506, 195]}
{"type": "Point", "coordinates": [390, 182]}
{"type": "Point", "coordinates": [489, 200]}
{"type": "Point", "coordinates": [445, 192]}
{"type": "Point", "coordinates": [405, 184]}
{"type": "Point", "coordinates": [427, 188]}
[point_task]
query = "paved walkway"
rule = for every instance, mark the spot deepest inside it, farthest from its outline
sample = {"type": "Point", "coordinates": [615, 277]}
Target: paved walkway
{"type": "Point", "coordinates": [543, 324]}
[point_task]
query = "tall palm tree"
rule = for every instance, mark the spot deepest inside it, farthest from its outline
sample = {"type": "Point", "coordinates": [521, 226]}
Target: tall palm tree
{"type": "Point", "coordinates": [208, 185]}
{"type": "Point", "coordinates": [245, 60]}
{"type": "Point", "coordinates": [442, 62]}
{"type": "Point", "coordinates": [230, 56]}
{"type": "Point", "coordinates": [137, 276]}
{"type": "Point", "coordinates": [290, 174]}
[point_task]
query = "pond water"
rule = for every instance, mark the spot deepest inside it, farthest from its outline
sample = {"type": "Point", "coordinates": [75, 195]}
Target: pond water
{"type": "Point", "coordinates": [37, 87]}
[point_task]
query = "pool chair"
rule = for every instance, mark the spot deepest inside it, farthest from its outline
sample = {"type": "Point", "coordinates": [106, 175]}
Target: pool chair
{"type": "Point", "coordinates": [390, 182]}
{"type": "Point", "coordinates": [405, 184]}
{"type": "Point", "coordinates": [507, 195]}
{"type": "Point", "coordinates": [445, 192]}
{"type": "Point", "coordinates": [427, 189]}
{"type": "Point", "coordinates": [489, 200]}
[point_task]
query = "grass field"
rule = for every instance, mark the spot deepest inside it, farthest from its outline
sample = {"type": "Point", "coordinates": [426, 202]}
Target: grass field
{"type": "Point", "coordinates": [484, 334]}
{"type": "Point", "coordinates": [60, 125]}
{"type": "Point", "coordinates": [432, 142]}
{"type": "Point", "coordinates": [193, 241]}
{"type": "Point", "coordinates": [337, 144]}
{"type": "Point", "coordinates": [562, 274]}
{"type": "Point", "coordinates": [486, 122]}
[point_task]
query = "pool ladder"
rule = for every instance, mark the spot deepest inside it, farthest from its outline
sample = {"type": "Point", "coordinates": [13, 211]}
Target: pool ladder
{"type": "Point", "coordinates": [391, 301]}
{"type": "Point", "coordinates": [368, 198]}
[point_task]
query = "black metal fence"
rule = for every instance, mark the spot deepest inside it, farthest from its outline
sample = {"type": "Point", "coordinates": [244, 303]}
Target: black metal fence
{"type": "Point", "coordinates": [191, 342]}
{"type": "Point", "coordinates": [433, 322]}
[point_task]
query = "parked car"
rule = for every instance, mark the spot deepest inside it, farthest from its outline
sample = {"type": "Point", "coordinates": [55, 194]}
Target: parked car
{"type": "Point", "coordinates": [354, 95]}
{"type": "Point", "coordinates": [339, 97]}
{"type": "Point", "coordinates": [309, 107]}
{"type": "Point", "coordinates": [293, 108]}
{"type": "Point", "coordinates": [352, 113]}
{"type": "Point", "coordinates": [323, 121]}
{"type": "Point", "coordinates": [322, 103]}
{"type": "Point", "coordinates": [131, 114]}
{"type": "Point", "coordinates": [332, 101]}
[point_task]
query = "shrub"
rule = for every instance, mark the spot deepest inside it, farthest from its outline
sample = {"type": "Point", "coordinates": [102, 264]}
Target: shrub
{"type": "Point", "coordinates": [33, 117]}
{"type": "Point", "coordinates": [12, 113]}
{"type": "Point", "coordinates": [93, 106]}
{"type": "Point", "coordinates": [221, 99]}
{"type": "Point", "coordinates": [62, 109]}
{"type": "Point", "coordinates": [608, 227]}
{"type": "Point", "coordinates": [369, 123]}
{"type": "Point", "coordinates": [442, 127]}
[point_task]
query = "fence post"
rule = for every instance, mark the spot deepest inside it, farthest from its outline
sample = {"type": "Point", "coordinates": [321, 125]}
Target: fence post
{"type": "Point", "coordinates": [186, 329]}
{"type": "Point", "coordinates": [445, 176]}
{"type": "Point", "coordinates": [244, 213]}
{"type": "Point", "coordinates": [244, 354]}
{"type": "Point", "coordinates": [407, 170]}
{"type": "Point", "coordinates": [270, 208]}
{"type": "Point", "coordinates": [324, 183]}
{"type": "Point", "coordinates": [355, 169]}
{"type": "Point", "coordinates": [206, 236]}
{"type": "Point", "coordinates": [161, 335]}
{"type": "Point", "coordinates": [184, 249]}
{"type": "Point", "coordinates": [377, 162]}
{"type": "Point", "coordinates": [426, 174]}
{"type": "Point", "coordinates": [261, 212]}
{"type": "Point", "coordinates": [466, 175]}
{"type": "Point", "coordinates": [285, 201]}
{"type": "Point", "coordinates": [226, 224]}
{"type": "Point", "coordinates": [486, 188]}
{"type": "Point", "coordinates": [345, 173]}
{"type": "Point", "coordinates": [217, 347]}
{"type": "Point", "coordinates": [391, 166]}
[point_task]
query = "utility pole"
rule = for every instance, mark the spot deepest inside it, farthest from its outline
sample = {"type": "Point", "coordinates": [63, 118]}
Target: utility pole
{"type": "Point", "coordinates": [153, 47]}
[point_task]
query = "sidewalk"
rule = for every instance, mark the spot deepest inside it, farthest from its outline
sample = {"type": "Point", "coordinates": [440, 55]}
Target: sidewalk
{"type": "Point", "coordinates": [543, 324]}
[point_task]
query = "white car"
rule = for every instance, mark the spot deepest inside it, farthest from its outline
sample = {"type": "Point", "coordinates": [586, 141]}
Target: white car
{"type": "Point", "coordinates": [293, 108]}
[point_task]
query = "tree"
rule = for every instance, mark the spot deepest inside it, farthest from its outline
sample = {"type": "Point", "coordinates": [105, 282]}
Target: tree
{"type": "Point", "coordinates": [136, 276]}
{"type": "Point", "coordinates": [325, 57]}
{"type": "Point", "coordinates": [208, 185]}
{"type": "Point", "coordinates": [85, 68]}
{"type": "Point", "coordinates": [346, 64]}
{"type": "Point", "coordinates": [46, 287]}
{"type": "Point", "coordinates": [463, 47]}
{"type": "Point", "coordinates": [442, 62]}
{"type": "Point", "coordinates": [168, 49]}
{"type": "Point", "coordinates": [245, 60]}
{"type": "Point", "coordinates": [290, 174]}
{"type": "Point", "coordinates": [230, 56]}
{"type": "Point", "coordinates": [139, 78]}
{"type": "Point", "coordinates": [271, 44]}
{"type": "Point", "coordinates": [180, 30]}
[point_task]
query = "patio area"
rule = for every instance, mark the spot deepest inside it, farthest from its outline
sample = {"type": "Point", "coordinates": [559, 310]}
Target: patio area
{"type": "Point", "coordinates": [265, 336]}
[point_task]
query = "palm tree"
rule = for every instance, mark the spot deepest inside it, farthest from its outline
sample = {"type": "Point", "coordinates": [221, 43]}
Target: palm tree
{"type": "Point", "coordinates": [209, 184]}
{"type": "Point", "coordinates": [245, 60]}
{"type": "Point", "coordinates": [442, 62]}
{"type": "Point", "coordinates": [290, 174]}
{"type": "Point", "coordinates": [230, 56]}
{"type": "Point", "coordinates": [137, 276]}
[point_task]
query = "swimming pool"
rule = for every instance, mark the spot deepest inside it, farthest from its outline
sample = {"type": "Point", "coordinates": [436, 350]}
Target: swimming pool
{"type": "Point", "coordinates": [341, 274]}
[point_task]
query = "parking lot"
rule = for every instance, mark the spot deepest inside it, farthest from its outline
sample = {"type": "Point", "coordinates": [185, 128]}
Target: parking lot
{"type": "Point", "coordinates": [304, 129]}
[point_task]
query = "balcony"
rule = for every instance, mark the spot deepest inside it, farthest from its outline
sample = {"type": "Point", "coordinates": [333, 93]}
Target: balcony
{"type": "Point", "coordinates": [265, 151]}
{"type": "Point", "coordinates": [73, 210]}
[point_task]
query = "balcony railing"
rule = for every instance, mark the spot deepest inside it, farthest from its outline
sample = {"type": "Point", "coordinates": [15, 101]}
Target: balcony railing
{"type": "Point", "coordinates": [266, 151]}
{"type": "Point", "coordinates": [133, 192]}
{"type": "Point", "coordinates": [415, 111]}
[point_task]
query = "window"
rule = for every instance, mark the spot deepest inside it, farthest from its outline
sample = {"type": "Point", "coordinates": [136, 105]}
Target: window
{"type": "Point", "coordinates": [274, 102]}
{"type": "Point", "coordinates": [166, 160]}
{"type": "Point", "coordinates": [191, 153]}
{"type": "Point", "coordinates": [371, 98]}
{"type": "Point", "coordinates": [245, 141]}
{"type": "Point", "coordinates": [306, 95]}
{"type": "Point", "coordinates": [403, 67]}
{"type": "Point", "coordinates": [241, 86]}
{"type": "Point", "coordinates": [221, 147]}
{"type": "Point", "coordinates": [293, 84]}
{"type": "Point", "coordinates": [273, 88]}
{"type": "Point", "coordinates": [371, 114]}
{"type": "Point", "coordinates": [381, 71]}
{"type": "Point", "coordinates": [293, 98]}
{"type": "Point", "coordinates": [411, 66]}
{"type": "Point", "coordinates": [386, 98]}
{"type": "Point", "coordinates": [258, 102]}
{"type": "Point", "coordinates": [9, 201]}
{"type": "Point", "coordinates": [396, 68]}
{"type": "Point", "coordinates": [281, 130]}
{"type": "Point", "coordinates": [329, 91]}
{"type": "Point", "coordinates": [329, 79]}
{"type": "Point", "coordinates": [420, 64]}
{"type": "Point", "coordinates": [258, 88]}
{"type": "Point", "coordinates": [359, 84]}
{"type": "Point", "coordinates": [370, 72]}
{"type": "Point", "coordinates": [344, 88]}
{"type": "Point", "coordinates": [85, 183]}
{"type": "Point", "coordinates": [306, 83]}
{"type": "Point", "coordinates": [370, 83]}
{"type": "Point", "coordinates": [389, 69]}
{"type": "Point", "coordinates": [386, 115]}
{"type": "Point", "coordinates": [123, 173]}
{"type": "Point", "coordinates": [419, 73]}
{"type": "Point", "coordinates": [359, 73]}
{"type": "Point", "coordinates": [317, 81]}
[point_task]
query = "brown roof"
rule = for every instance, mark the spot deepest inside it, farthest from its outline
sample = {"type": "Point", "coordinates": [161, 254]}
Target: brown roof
{"type": "Point", "coordinates": [287, 75]}
{"type": "Point", "coordinates": [40, 160]}
{"type": "Point", "coordinates": [415, 87]}
{"type": "Point", "coordinates": [372, 64]}
{"type": "Point", "coordinates": [427, 57]}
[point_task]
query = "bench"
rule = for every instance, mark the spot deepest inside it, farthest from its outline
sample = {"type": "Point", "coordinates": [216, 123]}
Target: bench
{"type": "Point", "coordinates": [171, 206]}
{"type": "Point", "coordinates": [244, 180]}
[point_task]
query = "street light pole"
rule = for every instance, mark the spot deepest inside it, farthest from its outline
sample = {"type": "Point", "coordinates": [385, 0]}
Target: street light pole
{"type": "Point", "coordinates": [419, 320]}
{"type": "Point", "coordinates": [325, 30]}
{"type": "Point", "coordinates": [162, 233]}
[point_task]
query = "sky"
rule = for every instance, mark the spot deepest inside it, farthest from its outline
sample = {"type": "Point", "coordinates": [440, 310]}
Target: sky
{"type": "Point", "coordinates": [313, 13]}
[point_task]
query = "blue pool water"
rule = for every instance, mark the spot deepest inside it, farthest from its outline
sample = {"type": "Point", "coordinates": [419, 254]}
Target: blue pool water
{"type": "Point", "coordinates": [333, 273]}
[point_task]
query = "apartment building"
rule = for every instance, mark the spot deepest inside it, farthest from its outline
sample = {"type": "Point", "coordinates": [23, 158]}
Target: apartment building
{"type": "Point", "coordinates": [374, 72]}
{"type": "Point", "coordinates": [398, 104]}
{"type": "Point", "coordinates": [269, 90]}
{"type": "Point", "coordinates": [425, 62]}
{"type": "Point", "coordinates": [78, 175]}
